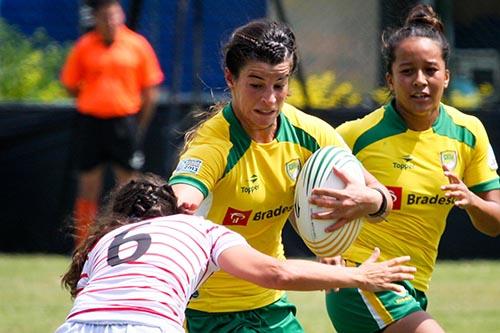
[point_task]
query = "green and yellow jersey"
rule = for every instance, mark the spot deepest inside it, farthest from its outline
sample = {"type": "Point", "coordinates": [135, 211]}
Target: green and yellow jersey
{"type": "Point", "coordinates": [249, 188]}
{"type": "Point", "coordinates": [410, 163]}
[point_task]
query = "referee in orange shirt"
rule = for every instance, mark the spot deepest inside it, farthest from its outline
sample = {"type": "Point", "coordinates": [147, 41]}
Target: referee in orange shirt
{"type": "Point", "coordinates": [114, 74]}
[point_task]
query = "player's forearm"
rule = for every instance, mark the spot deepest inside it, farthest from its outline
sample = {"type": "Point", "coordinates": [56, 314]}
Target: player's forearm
{"type": "Point", "coordinates": [485, 216]}
{"type": "Point", "coordinates": [371, 275]}
{"type": "Point", "coordinates": [304, 275]}
{"type": "Point", "coordinates": [249, 264]}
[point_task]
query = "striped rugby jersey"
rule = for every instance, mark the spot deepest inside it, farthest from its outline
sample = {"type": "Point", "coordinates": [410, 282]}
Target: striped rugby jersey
{"type": "Point", "coordinates": [248, 187]}
{"type": "Point", "coordinates": [145, 272]}
{"type": "Point", "coordinates": [410, 163]}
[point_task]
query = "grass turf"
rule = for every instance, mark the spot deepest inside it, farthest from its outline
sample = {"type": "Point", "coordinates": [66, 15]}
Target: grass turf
{"type": "Point", "coordinates": [463, 296]}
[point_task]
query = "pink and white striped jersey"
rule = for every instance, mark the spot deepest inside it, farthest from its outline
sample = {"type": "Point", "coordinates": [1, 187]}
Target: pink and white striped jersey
{"type": "Point", "coordinates": [146, 272]}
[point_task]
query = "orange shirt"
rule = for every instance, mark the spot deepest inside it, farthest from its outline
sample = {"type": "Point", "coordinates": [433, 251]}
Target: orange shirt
{"type": "Point", "coordinates": [110, 79]}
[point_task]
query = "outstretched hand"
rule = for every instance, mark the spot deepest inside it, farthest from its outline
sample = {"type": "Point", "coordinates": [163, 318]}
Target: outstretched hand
{"type": "Point", "coordinates": [352, 202]}
{"type": "Point", "coordinates": [380, 276]}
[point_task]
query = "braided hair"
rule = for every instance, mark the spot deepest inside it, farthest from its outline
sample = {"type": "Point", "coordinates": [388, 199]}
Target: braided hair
{"type": "Point", "coordinates": [262, 40]}
{"type": "Point", "coordinates": [146, 197]}
{"type": "Point", "coordinates": [421, 21]}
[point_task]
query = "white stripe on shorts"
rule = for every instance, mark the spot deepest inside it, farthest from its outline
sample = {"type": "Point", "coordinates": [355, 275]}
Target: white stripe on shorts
{"type": "Point", "coordinates": [83, 327]}
{"type": "Point", "coordinates": [380, 322]}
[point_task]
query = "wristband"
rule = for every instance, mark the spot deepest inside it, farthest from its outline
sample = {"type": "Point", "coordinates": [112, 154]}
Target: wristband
{"type": "Point", "coordinates": [383, 206]}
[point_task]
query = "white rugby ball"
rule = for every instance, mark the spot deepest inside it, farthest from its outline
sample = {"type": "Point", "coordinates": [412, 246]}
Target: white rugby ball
{"type": "Point", "coordinates": [318, 172]}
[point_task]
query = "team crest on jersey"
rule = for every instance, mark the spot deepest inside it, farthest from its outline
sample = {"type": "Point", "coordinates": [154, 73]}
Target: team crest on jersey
{"type": "Point", "coordinates": [492, 161]}
{"type": "Point", "coordinates": [190, 165]}
{"type": "Point", "coordinates": [293, 168]}
{"type": "Point", "coordinates": [449, 159]}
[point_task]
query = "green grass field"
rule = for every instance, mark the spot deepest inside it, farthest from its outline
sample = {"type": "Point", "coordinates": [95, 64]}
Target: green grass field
{"type": "Point", "coordinates": [464, 296]}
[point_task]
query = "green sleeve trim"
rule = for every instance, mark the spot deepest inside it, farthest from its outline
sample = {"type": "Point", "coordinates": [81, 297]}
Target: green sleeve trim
{"type": "Point", "coordinates": [238, 137]}
{"type": "Point", "coordinates": [287, 132]}
{"type": "Point", "coordinates": [189, 181]}
{"type": "Point", "coordinates": [489, 185]}
{"type": "Point", "coordinates": [390, 124]}
{"type": "Point", "coordinates": [240, 140]}
{"type": "Point", "coordinates": [445, 126]}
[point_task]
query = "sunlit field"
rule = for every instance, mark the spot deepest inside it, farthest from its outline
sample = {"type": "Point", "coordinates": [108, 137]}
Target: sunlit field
{"type": "Point", "coordinates": [464, 296]}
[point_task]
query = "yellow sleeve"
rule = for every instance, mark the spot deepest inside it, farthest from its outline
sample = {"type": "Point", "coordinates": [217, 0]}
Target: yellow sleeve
{"type": "Point", "coordinates": [346, 132]}
{"type": "Point", "coordinates": [203, 163]}
{"type": "Point", "coordinates": [480, 174]}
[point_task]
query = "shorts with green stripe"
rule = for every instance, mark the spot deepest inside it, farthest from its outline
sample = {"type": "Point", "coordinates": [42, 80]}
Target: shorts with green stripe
{"type": "Point", "coordinates": [354, 310]}
{"type": "Point", "coordinates": [277, 317]}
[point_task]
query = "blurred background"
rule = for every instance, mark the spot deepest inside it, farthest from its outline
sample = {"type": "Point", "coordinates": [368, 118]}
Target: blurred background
{"type": "Point", "coordinates": [340, 77]}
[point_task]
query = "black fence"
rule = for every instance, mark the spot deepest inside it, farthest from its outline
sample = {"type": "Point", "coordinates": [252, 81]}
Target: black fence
{"type": "Point", "coordinates": [39, 182]}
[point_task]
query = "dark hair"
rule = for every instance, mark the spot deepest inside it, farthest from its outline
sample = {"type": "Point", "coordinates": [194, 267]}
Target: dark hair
{"type": "Point", "coordinates": [421, 21]}
{"type": "Point", "coordinates": [262, 40]}
{"type": "Point", "coordinates": [95, 5]}
{"type": "Point", "coordinates": [146, 197]}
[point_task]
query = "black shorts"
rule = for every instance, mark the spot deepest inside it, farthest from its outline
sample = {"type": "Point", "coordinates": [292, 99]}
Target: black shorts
{"type": "Point", "coordinates": [101, 141]}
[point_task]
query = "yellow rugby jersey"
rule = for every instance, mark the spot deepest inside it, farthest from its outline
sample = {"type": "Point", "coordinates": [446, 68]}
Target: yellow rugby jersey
{"type": "Point", "coordinates": [410, 164]}
{"type": "Point", "coordinates": [249, 188]}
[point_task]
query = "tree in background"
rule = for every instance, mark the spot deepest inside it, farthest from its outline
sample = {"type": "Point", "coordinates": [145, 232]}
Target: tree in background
{"type": "Point", "coordinates": [30, 65]}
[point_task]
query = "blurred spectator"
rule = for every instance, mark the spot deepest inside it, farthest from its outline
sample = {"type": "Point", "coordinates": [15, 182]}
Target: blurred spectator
{"type": "Point", "coordinates": [113, 72]}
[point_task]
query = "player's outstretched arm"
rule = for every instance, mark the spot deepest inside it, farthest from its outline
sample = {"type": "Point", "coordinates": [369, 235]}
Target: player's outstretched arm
{"type": "Point", "coordinates": [249, 264]}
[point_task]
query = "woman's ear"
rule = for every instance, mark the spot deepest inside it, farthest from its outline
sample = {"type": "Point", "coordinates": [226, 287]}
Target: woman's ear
{"type": "Point", "coordinates": [388, 79]}
{"type": "Point", "coordinates": [229, 77]}
{"type": "Point", "coordinates": [447, 78]}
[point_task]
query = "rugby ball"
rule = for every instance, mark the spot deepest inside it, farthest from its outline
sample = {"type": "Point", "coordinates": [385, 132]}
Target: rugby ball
{"type": "Point", "coordinates": [318, 172]}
